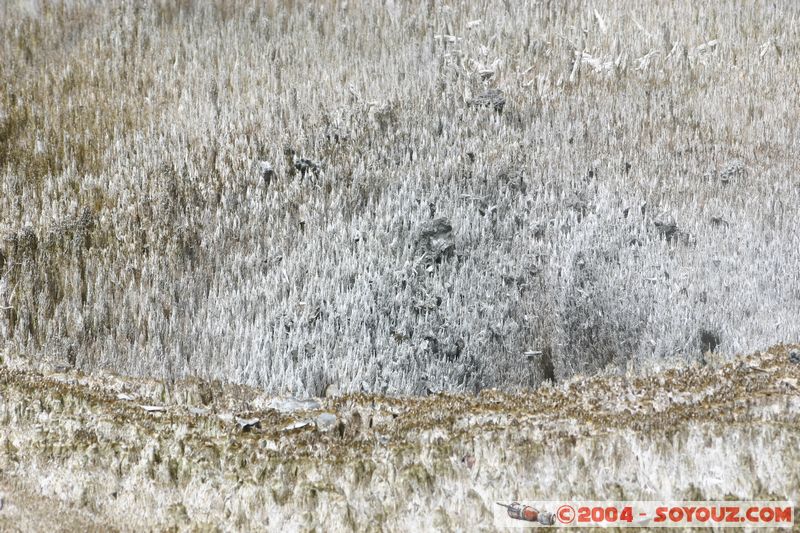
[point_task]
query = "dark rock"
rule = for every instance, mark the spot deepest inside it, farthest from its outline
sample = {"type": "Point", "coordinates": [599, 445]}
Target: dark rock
{"type": "Point", "coordinates": [25, 243]}
{"type": "Point", "coordinates": [580, 207]}
{"type": "Point", "coordinates": [468, 460]}
{"type": "Point", "coordinates": [513, 179]}
{"type": "Point", "coordinates": [248, 424]}
{"type": "Point", "coordinates": [336, 136]}
{"type": "Point", "coordinates": [266, 171]}
{"type": "Point", "coordinates": [301, 164]}
{"type": "Point", "coordinates": [484, 208]}
{"type": "Point", "coordinates": [433, 344]}
{"type": "Point", "coordinates": [522, 280]}
{"type": "Point", "coordinates": [548, 368]}
{"type": "Point", "coordinates": [306, 165]}
{"type": "Point", "coordinates": [400, 335]}
{"type": "Point", "coordinates": [671, 233]}
{"type": "Point", "coordinates": [731, 171]}
{"type": "Point", "coordinates": [436, 240]}
{"type": "Point", "coordinates": [492, 98]}
{"type": "Point", "coordinates": [794, 357]}
{"type": "Point", "coordinates": [427, 387]}
{"type": "Point", "coordinates": [668, 230]}
{"type": "Point", "coordinates": [453, 352]}
{"type": "Point", "coordinates": [154, 408]}
{"type": "Point", "coordinates": [427, 303]}
{"type": "Point", "coordinates": [544, 359]}
{"type": "Point", "coordinates": [642, 210]}
{"type": "Point", "coordinates": [708, 341]}
{"type": "Point", "coordinates": [734, 169]}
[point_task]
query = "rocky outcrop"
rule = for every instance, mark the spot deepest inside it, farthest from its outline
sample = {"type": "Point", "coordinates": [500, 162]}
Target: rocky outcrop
{"type": "Point", "coordinates": [492, 98]}
{"type": "Point", "coordinates": [436, 240]}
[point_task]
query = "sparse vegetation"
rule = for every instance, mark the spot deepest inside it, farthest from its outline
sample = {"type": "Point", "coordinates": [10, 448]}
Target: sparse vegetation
{"type": "Point", "coordinates": [633, 202]}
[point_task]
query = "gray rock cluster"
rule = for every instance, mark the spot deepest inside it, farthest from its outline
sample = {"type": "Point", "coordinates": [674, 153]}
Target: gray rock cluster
{"type": "Point", "coordinates": [300, 164]}
{"type": "Point", "coordinates": [670, 231]}
{"type": "Point", "coordinates": [436, 241]}
{"type": "Point", "coordinates": [492, 98]}
{"type": "Point", "coordinates": [733, 170]}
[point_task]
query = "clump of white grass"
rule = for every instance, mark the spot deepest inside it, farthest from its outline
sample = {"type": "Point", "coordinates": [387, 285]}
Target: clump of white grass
{"type": "Point", "coordinates": [140, 233]}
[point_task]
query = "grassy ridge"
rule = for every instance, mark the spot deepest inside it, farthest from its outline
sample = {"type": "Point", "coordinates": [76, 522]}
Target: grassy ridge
{"type": "Point", "coordinates": [636, 199]}
{"type": "Point", "coordinates": [81, 449]}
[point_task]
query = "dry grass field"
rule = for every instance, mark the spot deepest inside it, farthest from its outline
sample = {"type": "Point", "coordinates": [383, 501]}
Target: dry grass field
{"type": "Point", "coordinates": [314, 196]}
{"type": "Point", "coordinates": [510, 248]}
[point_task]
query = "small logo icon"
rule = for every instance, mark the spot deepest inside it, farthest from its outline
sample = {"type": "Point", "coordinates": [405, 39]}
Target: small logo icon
{"type": "Point", "coordinates": [517, 511]}
{"type": "Point", "coordinates": [566, 514]}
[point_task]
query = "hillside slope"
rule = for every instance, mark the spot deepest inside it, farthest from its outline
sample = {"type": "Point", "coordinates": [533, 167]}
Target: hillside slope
{"type": "Point", "coordinates": [391, 196]}
{"type": "Point", "coordinates": [82, 451]}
